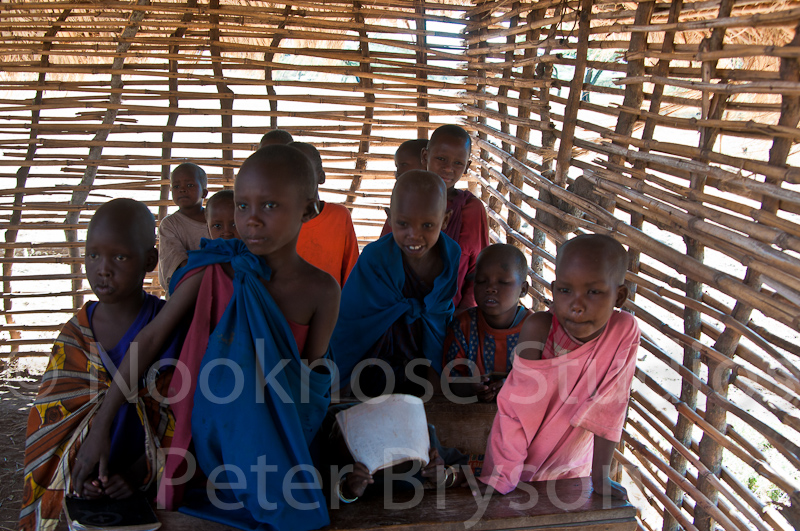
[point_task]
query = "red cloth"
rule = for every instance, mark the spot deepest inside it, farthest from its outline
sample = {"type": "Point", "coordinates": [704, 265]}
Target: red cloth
{"type": "Point", "coordinates": [329, 242]}
{"type": "Point", "coordinates": [548, 411]}
{"type": "Point", "coordinates": [213, 297]}
{"type": "Point", "coordinates": [472, 237]}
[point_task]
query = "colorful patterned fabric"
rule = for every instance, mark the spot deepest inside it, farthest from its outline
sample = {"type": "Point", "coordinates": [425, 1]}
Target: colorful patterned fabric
{"type": "Point", "coordinates": [490, 349]}
{"type": "Point", "coordinates": [73, 387]}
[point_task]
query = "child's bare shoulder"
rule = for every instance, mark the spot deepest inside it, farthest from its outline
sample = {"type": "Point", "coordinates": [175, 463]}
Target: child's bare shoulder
{"type": "Point", "coordinates": [535, 330]}
{"type": "Point", "coordinates": [321, 285]}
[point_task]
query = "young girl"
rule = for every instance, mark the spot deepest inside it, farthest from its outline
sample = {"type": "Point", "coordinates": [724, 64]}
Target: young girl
{"type": "Point", "coordinates": [264, 314]}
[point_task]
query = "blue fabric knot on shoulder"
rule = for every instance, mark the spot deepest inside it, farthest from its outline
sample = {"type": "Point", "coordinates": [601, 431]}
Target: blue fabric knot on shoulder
{"type": "Point", "coordinates": [415, 310]}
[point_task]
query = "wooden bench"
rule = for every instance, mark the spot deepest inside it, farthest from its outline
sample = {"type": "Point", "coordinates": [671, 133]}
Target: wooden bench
{"type": "Point", "coordinates": [570, 504]}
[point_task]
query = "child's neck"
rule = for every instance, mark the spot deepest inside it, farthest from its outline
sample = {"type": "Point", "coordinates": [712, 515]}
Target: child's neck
{"type": "Point", "coordinates": [196, 212]}
{"type": "Point", "coordinates": [451, 193]}
{"type": "Point", "coordinates": [428, 266]}
{"type": "Point", "coordinates": [500, 322]}
{"type": "Point", "coordinates": [110, 322]}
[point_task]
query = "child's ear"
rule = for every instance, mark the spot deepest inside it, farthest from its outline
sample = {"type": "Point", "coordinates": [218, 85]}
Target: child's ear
{"type": "Point", "coordinates": [423, 155]}
{"type": "Point", "coordinates": [524, 290]}
{"type": "Point", "coordinates": [151, 260]}
{"type": "Point", "coordinates": [205, 192]}
{"type": "Point", "coordinates": [622, 296]}
{"type": "Point", "coordinates": [469, 161]}
{"type": "Point", "coordinates": [311, 210]}
{"type": "Point", "coordinates": [446, 218]}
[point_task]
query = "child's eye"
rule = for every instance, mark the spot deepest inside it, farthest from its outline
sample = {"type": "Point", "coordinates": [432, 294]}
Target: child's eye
{"type": "Point", "coordinates": [427, 225]}
{"type": "Point", "coordinates": [216, 226]}
{"type": "Point", "coordinates": [595, 292]}
{"type": "Point", "coordinates": [241, 206]}
{"type": "Point", "coordinates": [120, 257]}
{"type": "Point", "coordinates": [562, 290]}
{"type": "Point", "coordinates": [270, 205]}
{"type": "Point", "coordinates": [92, 255]}
{"type": "Point", "coordinates": [190, 185]}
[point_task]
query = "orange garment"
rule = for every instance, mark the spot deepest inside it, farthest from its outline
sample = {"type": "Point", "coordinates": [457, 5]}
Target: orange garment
{"type": "Point", "coordinates": [329, 242]}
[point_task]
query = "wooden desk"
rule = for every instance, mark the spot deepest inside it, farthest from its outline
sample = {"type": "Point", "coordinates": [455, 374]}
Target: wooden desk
{"type": "Point", "coordinates": [452, 511]}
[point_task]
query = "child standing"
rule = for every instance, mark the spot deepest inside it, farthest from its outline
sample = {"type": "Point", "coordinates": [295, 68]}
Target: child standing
{"type": "Point", "coordinates": [486, 336]}
{"type": "Point", "coordinates": [447, 155]}
{"type": "Point", "coordinates": [409, 156]}
{"type": "Point", "coordinates": [181, 231]}
{"type": "Point", "coordinates": [120, 250]}
{"type": "Point", "coordinates": [398, 299]}
{"type": "Point", "coordinates": [220, 210]}
{"type": "Point", "coordinates": [561, 411]}
{"type": "Point", "coordinates": [262, 312]}
{"type": "Point", "coordinates": [327, 241]}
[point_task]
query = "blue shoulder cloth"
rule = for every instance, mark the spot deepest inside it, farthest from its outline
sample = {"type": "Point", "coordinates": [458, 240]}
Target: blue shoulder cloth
{"type": "Point", "coordinates": [372, 300]}
{"type": "Point", "coordinates": [257, 406]}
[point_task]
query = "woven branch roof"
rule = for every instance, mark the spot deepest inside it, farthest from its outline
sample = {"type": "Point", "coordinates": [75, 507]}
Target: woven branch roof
{"type": "Point", "coordinates": [669, 125]}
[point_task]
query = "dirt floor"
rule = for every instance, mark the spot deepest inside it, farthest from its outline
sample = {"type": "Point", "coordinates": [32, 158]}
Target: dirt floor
{"type": "Point", "coordinates": [17, 392]}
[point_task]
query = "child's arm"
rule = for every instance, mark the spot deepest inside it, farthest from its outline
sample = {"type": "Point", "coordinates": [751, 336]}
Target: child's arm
{"type": "Point", "coordinates": [601, 462]}
{"type": "Point", "coordinates": [324, 319]}
{"type": "Point", "coordinates": [533, 335]}
{"type": "Point", "coordinates": [95, 448]}
{"type": "Point", "coordinates": [172, 254]}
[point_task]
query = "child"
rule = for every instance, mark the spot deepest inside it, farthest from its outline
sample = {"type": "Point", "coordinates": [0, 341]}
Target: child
{"type": "Point", "coordinates": [276, 137]}
{"type": "Point", "coordinates": [327, 241]}
{"type": "Point", "coordinates": [409, 156]}
{"type": "Point", "coordinates": [487, 335]}
{"type": "Point", "coordinates": [398, 299]}
{"type": "Point", "coordinates": [120, 250]}
{"type": "Point", "coordinates": [561, 412]}
{"type": "Point", "coordinates": [219, 216]}
{"type": "Point", "coordinates": [447, 155]}
{"type": "Point", "coordinates": [181, 231]}
{"type": "Point", "coordinates": [266, 314]}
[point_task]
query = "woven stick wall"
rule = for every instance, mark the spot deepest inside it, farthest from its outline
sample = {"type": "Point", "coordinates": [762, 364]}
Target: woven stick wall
{"type": "Point", "coordinates": [668, 125]}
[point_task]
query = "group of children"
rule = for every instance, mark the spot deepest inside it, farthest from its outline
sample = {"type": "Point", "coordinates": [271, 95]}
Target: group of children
{"type": "Point", "coordinates": [274, 289]}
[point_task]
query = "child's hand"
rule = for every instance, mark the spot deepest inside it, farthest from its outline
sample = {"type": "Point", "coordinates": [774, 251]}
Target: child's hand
{"type": "Point", "coordinates": [490, 390]}
{"type": "Point", "coordinates": [356, 481]}
{"type": "Point", "coordinates": [609, 487]}
{"type": "Point", "coordinates": [118, 488]}
{"type": "Point", "coordinates": [434, 470]}
{"type": "Point", "coordinates": [92, 489]}
{"type": "Point", "coordinates": [93, 452]}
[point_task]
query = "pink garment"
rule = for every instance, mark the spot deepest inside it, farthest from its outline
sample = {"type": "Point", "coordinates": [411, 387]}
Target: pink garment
{"type": "Point", "coordinates": [549, 410]}
{"type": "Point", "coordinates": [216, 291]}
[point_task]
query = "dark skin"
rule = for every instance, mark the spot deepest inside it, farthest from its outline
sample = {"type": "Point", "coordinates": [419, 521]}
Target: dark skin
{"type": "Point", "coordinates": [269, 213]}
{"type": "Point", "coordinates": [585, 292]}
{"type": "Point", "coordinates": [119, 253]}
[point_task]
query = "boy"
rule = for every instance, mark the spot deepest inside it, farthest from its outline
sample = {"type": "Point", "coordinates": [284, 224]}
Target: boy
{"type": "Point", "coordinates": [398, 299]}
{"type": "Point", "coordinates": [447, 155]}
{"type": "Point", "coordinates": [328, 241]}
{"type": "Point", "coordinates": [181, 231]}
{"type": "Point", "coordinates": [409, 156]}
{"type": "Point", "coordinates": [219, 216]}
{"type": "Point", "coordinates": [561, 411]}
{"type": "Point", "coordinates": [487, 335]}
{"type": "Point", "coordinates": [276, 137]}
{"type": "Point", "coordinates": [120, 250]}
{"type": "Point", "coordinates": [267, 315]}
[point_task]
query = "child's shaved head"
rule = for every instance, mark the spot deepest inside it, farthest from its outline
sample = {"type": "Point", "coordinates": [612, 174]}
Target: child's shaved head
{"type": "Point", "coordinates": [450, 131]}
{"type": "Point", "coordinates": [607, 252]}
{"type": "Point", "coordinates": [221, 197]}
{"type": "Point", "coordinates": [313, 155]}
{"type": "Point", "coordinates": [507, 255]}
{"type": "Point", "coordinates": [276, 136]}
{"type": "Point", "coordinates": [409, 156]}
{"type": "Point", "coordinates": [285, 162]}
{"type": "Point", "coordinates": [131, 219]}
{"type": "Point", "coordinates": [420, 183]}
{"type": "Point", "coordinates": [194, 170]}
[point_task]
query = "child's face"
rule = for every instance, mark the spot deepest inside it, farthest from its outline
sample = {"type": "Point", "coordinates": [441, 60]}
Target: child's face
{"type": "Point", "coordinates": [585, 294]}
{"type": "Point", "coordinates": [270, 209]}
{"type": "Point", "coordinates": [220, 221]}
{"type": "Point", "coordinates": [115, 264]}
{"type": "Point", "coordinates": [448, 158]}
{"type": "Point", "coordinates": [498, 287]}
{"type": "Point", "coordinates": [416, 222]}
{"type": "Point", "coordinates": [405, 160]}
{"type": "Point", "coordinates": [187, 191]}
